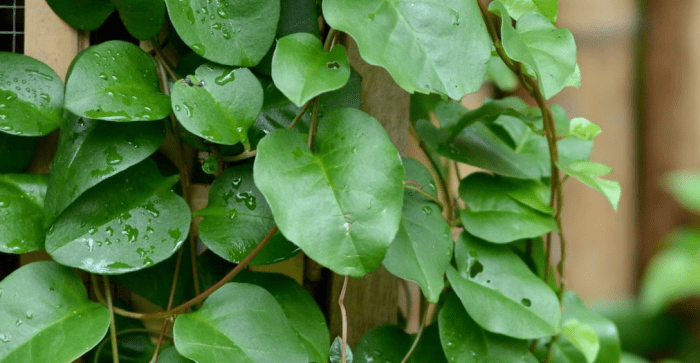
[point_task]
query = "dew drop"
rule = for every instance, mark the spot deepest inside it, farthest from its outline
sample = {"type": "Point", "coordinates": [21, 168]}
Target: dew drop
{"type": "Point", "coordinates": [226, 77]}
{"type": "Point", "coordinates": [427, 210]}
{"type": "Point", "coordinates": [198, 48]}
{"type": "Point", "coordinates": [29, 315]}
{"type": "Point", "coordinates": [5, 338]}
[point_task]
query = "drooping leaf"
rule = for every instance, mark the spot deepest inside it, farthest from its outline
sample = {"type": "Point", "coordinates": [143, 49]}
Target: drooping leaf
{"type": "Point", "coordinates": [428, 47]}
{"type": "Point", "coordinates": [82, 14]}
{"type": "Point", "coordinates": [604, 329]}
{"type": "Point", "coordinates": [336, 352]}
{"type": "Point", "coordinates": [91, 151]}
{"type": "Point", "coordinates": [16, 152]}
{"type": "Point", "coordinates": [422, 248]}
{"type": "Point", "coordinates": [584, 129]}
{"type": "Point", "coordinates": [238, 217]}
{"type": "Point", "coordinates": [302, 69]}
{"type": "Point", "coordinates": [589, 173]}
{"type": "Point", "coordinates": [126, 223]}
{"type": "Point", "coordinates": [238, 323]}
{"type": "Point", "coordinates": [115, 81]}
{"type": "Point", "coordinates": [500, 292]}
{"type": "Point", "coordinates": [548, 8]}
{"type": "Point", "coordinates": [549, 51]}
{"type": "Point", "coordinates": [304, 315]}
{"type": "Point", "coordinates": [46, 316]}
{"type": "Point", "coordinates": [233, 32]}
{"type": "Point", "coordinates": [684, 186]}
{"type": "Point", "coordinates": [349, 189]}
{"type": "Point", "coordinates": [170, 355]}
{"type": "Point", "coordinates": [31, 96]}
{"type": "Point", "coordinates": [385, 343]}
{"type": "Point", "coordinates": [142, 18]}
{"type": "Point", "coordinates": [22, 212]}
{"type": "Point", "coordinates": [218, 103]}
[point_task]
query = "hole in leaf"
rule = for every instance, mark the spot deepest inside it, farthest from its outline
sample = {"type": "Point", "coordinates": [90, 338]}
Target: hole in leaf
{"type": "Point", "coordinates": [475, 269]}
{"type": "Point", "coordinates": [333, 65]}
{"type": "Point", "coordinates": [526, 302]}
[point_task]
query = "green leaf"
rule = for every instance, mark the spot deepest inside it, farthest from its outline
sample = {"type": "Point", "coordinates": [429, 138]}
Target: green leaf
{"type": "Point", "coordinates": [501, 76]}
{"type": "Point", "coordinates": [82, 14]}
{"type": "Point", "coordinates": [501, 293]}
{"type": "Point", "coordinates": [142, 18]}
{"type": "Point", "coordinates": [434, 46]}
{"type": "Point", "coordinates": [548, 8]}
{"type": "Point", "coordinates": [494, 215]}
{"type": "Point", "coordinates": [336, 352]}
{"type": "Point", "coordinates": [429, 348]}
{"type": "Point", "coordinates": [684, 186]}
{"type": "Point", "coordinates": [46, 316]}
{"type": "Point", "coordinates": [238, 217]}
{"type": "Point", "coordinates": [134, 346]}
{"type": "Point", "coordinates": [537, 43]}
{"type": "Point", "coordinates": [16, 152]}
{"type": "Point", "coordinates": [304, 315]}
{"type": "Point", "coordinates": [170, 355]}
{"type": "Point", "coordinates": [588, 173]}
{"type": "Point", "coordinates": [92, 151]}
{"type": "Point", "coordinates": [605, 331]}
{"type": "Point", "coordinates": [422, 105]}
{"type": "Point", "coordinates": [22, 212]}
{"type": "Point", "coordinates": [422, 248]}
{"type": "Point", "coordinates": [115, 81]}
{"type": "Point", "coordinates": [385, 343]}
{"type": "Point", "coordinates": [302, 69]}
{"type": "Point", "coordinates": [349, 189]}
{"type": "Point", "coordinates": [583, 129]}
{"type": "Point", "coordinates": [583, 337]}
{"type": "Point", "coordinates": [238, 323]}
{"type": "Point", "coordinates": [463, 340]}
{"type": "Point", "coordinates": [126, 223]}
{"type": "Point", "coordinates": [31, 96]}
{"type": "Point", "coordinates": [233, 32]}
{"type": "Point", "coordinates": [218, 103]}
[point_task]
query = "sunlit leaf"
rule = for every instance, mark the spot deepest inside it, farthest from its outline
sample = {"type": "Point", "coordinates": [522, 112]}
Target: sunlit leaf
{"type": "Point", "coordinates": [22, 212]}
{"type": "Point", "coordinates": [584, 129]}
{"type": "Point", "coordinates": [581, 336]}
{"type": "Point", "coordinates": [589, 173]}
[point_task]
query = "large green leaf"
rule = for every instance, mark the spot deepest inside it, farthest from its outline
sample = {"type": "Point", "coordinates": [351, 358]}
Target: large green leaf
{"type": "Point", "coordinates": [305, 317]}
{"type": "Point", "coordinates": [46, 316]}
{"type": "Point", "coordinates": [684, 186]}
{"type": "Point", "coordinates": [238, 217]}
{"type": "Point", "coordinates": [435, 46]}
{"type": "Point", "coordinates": [142, 18]}
{"type": "Point", "coordinates": [302, 69]}
{"type": "Point", "coordinates": [500, 292]}
{"type": "Point", "coordinates": [115, 81]}
{"type": "Point", "coordinates": [537, 43]}
{"type": "Point", "coordinates": [92, 151]}
{"type": "Point", "coordinates": [349, 189]}
{"type": "Point", "coordinates": [82, 14]}
{"type": "Point", "coordinates": [385, 343]}
{"type": "Point", "coordinates": [232, 32]}
{"type": "Point", "coordinates": [218, 103]}
{"type": "Point", "coordinates": [126, 223]}
{"type": "Point", "coordinates": [16, 152]}
{"type": "Point", "coordinates": [517, 8]}
{"type": "Point", "coordinates": [238, 323]}
{"type": "Point", "coordinates": [22, 212]}
{"type": "Point", "coordinates": [605, 330]}
{"type": "Point", "coordinates": [31, 96]}
{"type": "Point", "coordinates": [422, 248]}
{"type": "Point", "coordinates": [170, 355]}
{"type": "Point", "coordinates": [589, 173]}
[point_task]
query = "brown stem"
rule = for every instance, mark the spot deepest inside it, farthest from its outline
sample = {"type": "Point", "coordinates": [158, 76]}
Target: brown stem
{"type": "Point", "coordinates": [171, 299]}
{"type": "Point", "coordinates": [299, 115]}
{"type": "Point", "coordinates": [242, 156]}
{"type": "Point", "coordinates": [314, 121]}
{"type": "Point", "coordinates": [344, 317]}
{"type": "Point", "coordinates": [112, 326]}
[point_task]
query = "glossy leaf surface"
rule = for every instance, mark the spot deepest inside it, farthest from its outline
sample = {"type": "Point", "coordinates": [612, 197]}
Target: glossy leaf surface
{"type": "Point", "coordinates": [349, 188]}
{"type": "Point", "coordinates": [31, 96]}
{"type": "Point", "coordinates": [385, 343]}
{"type": "Point", "coordinates": [46, 316]}
{"type": "Point", "coordinates": [115, 81]}
{"type": "Point", "coordinates": [429, 47]}
{"type": "Point", "coordinates": [238, 323]}
{"type": "Point", "coordinates": [517, 8]}
{"type": "Point", "coordinates": [589, 173]}
{"type": "Point", "coordinates": [302, 69]}
{"type": "Point", "coordinates": [22, 212]}
{"type": "Point", "coordinates": [82, 14]}
{"type": "Point", "coordinates": [126, 223]}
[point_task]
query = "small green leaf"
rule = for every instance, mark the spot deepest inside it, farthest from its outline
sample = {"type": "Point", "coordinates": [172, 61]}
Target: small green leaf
{"type": "Point", "coordinates": [82, 14]}
{"type": "Point", "coordinates": [548, 8]}
{"type": "Point", "coordinates": [684, 186]}
{"type": "Point", "coordinates": [349, 188]}
{"type": "Point", "coordinates": [45, 305]}
{"type": "Point", "coordinates": [583, 129]}
{"type": "Point", "coordinates": [22, 212]}
{"type": "Point", "coordinates": [385, 343]}
{"type": "Point", "coordinates": [16, 152]}
{"type": "Point", "coordinates": [501, 76]}
{"type": "Point", "coordinates": [31, 96]}
{"type": "Point", "coordinates": [583, 337]}
{"type": "Point", "coordinates": [302, 69]}
{"type": "Point", "coordinates": [588, 173]}
{"type": "Point", "coordinates": [115, 81]}
{"type": "Point", "coordinates": [218, 103]}
{"type": "Point", "coordinates": [336, 354]}
{"type": "Point", "coordinates": [233, 32]}
{"type": "Point", "coordinates": [126, 223]}
{"type": "Point", "coordinates": [142, 18]}
{"type": "Point", "coordinates": [605, 330]}
{"type": "Point", "coordinates": [238, 323]}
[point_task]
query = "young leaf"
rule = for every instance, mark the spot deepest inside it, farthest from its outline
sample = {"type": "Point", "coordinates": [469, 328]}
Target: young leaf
{"type": "Point", "coordinates": [501, 76]}
{"type": "Point", "coordinates": [588, 173]}
{"type": "Point", "coordinates": [233, 32]}
{"type": "Point", "coordinates": [582, 337]}
{"type": "Point", "coordinates": [142, 18]}
{"type": "Point", "coordinates": [583, 129]}
{"type": "Point", "coordinates": [604, 329]}
{"type": "Point", "coordinates": [501, 293]}
{"type": "Point", "coordinates": [16, 152]}
{"type": "Point", "coordinates": [218, 103]}
{"type": "Point", "coordinates": [21, 212]}
{"type": "Point", "coordinates": [302, 69]}
{"type": "Point", "coordinates": [31, 96]}
{"type": "Point", "coordinates": [82, 14]}
{"type": "Point", "coordinates": [435, 46]}
{"type": "Point", "coordinates": [385, 343]}
{"type": "Point", "coordinates": [238, 323]}
{"type": "Point", "coordinates": [422, 248]}
{"type": "Point", "coordinates": [336, 353]}
{"type": "Point", "coordinates": [126, 223]}
{"type": "Point", "coordinates": [115, 81]}
{"type": "Point", "coordinates": [46, 316]}
{"type": "Point", "coordinates": [349, 188]}
{"type": "Point", "coordinates": [548, 8]}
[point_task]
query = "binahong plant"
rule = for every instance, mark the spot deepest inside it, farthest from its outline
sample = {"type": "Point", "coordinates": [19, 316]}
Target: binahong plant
{"type": "Point", "coordinates": [293, 164]}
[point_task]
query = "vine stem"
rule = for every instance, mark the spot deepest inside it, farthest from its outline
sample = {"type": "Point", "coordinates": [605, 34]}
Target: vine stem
{"type": "Point", "coordinates": [449, 206]}
{"type": "Point", "coordinates": [408, 185]}
{"type": "Point", "coordinates": [344, 317]}
{"type": "Point", "coordinates": [314, 122]}
{"type": "Point", "coordinates": [242, 156]}
{"type": "Point", "coordinates": [171, 299]}
{"type": "Point", "coordinates": [112, 326]}
{"type": "Point", "coordinates": [299, 115]}
{"type": "Point", "coordinates": [329, 39]}
{"type": "Point", "coordinates": [426, 318]}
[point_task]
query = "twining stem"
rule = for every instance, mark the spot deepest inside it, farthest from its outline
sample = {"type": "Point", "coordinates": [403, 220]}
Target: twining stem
{"type": "Point", "coordinates": [299, 115]}
{"type": "Point", "coordinates": [112, 326]}
{"type": "Point", "coordinates": [448, 206]}
{"type": "Point", "coordinates": [344, 318]}
{"type": "Point", "coordinates": [314, 122]}
{"type": "Point", "coordinates": [242, 156]}
{"type": "Point", "coordinates": [171, 299]}
{"type": "Point", "coordinates": [426, 320]}
{"type": "Point", "coordinates": [408, 185]}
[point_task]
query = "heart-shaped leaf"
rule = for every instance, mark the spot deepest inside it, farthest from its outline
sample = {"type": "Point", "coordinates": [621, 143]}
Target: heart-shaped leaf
{"type": "Point", "coordinates": [16, 152]}
{"type": "Point", "coordinates": [31, 96]}
{"type": "Point", "coordinates": [232, 32]}
{"type": "Point", "coordinates": [126, 223]}
{"type": "Point", "coordinates": [46, 316]}
{"type": "Point", "coordinates": [238, 217]}
{"type": "Point", "coordinates": [115, 81]}
{"type": "Point", "coordinates": [548, 8]}
{"type": "Point", "coordinates": [218, 103]}
{"type": "Point", "coordinates": [22, 212]}
{"type": "Point", "coordinates": [422, 248]}
{"type": "Point", "coordinates": [349, 189]}
{"type": "Point", "coordinates": [435, 46]}
{"type": "Point", "coordinates": [238, 323]}
{"type": "Point", "coordinates": [82, 14]}
{"type": "Point", "coordinates": [92, 151]}
{"type": "Point", "coordinates": [302, 69]}
{"type": "Point", "coordinates": [589, 173]}
{"type": "Point", "coordinates": [500, 292]}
